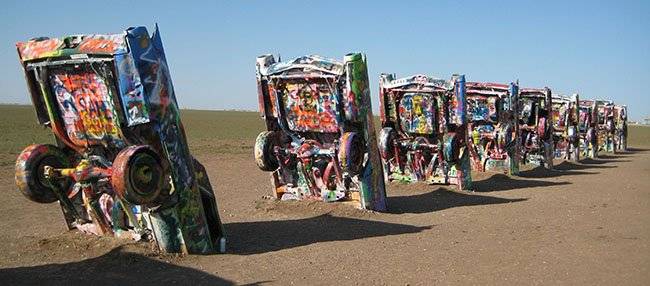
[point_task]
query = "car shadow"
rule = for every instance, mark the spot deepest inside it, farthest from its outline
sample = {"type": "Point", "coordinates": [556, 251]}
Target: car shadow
{"type": "Point", "coordinates": [248, 238]}
{"type": "Point", "coordinates": [562, 169]}
{"type": "Point", "coordinates": [613, 156]}
{"type": "Point", "coordinates": [632, 150]}
{"type": "Point", "coordinates": [441, 199]}
{"type": "Point", "coordinates": [117, 267]}
{"type": "Point", "coordinates": [601, 160]}
{"type": "Point", "coordinates": [502, 182]}
{"type": "Point", "coordinates": [569, 166]}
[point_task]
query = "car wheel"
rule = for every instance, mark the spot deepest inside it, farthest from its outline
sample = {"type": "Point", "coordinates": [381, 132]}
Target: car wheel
{"type": "Point", "coordinates": [30, 176]}
{"type": "Point", "coordinates": [351, 153]}
{"type": "Point", "coordinates": [138, 175]}
{"type": "Point", "coordinates": [264, 154]}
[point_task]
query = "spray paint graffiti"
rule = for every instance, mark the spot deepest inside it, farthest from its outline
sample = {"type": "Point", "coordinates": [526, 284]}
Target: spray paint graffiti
{"type": "Point", "coordinates": [106, 183]}
{"type": "Point", "coordinates": [310, 107]}
{"type": "Point", "coordinates": [565, 114]}
{"type": "Point", "coordinates": [620, 119]}
{"type": "Point", "coordinates": [492, 124]}
{"type": "Point", "coordinates": [536, 123]}
{"type": "Point", "coordinates": [606, 125]}
{"type": "Point", "coordinates": [86, 107]}
{"type": "Point", "coordinates": [587, 126]}
{"type": "Point", "coordinates": [318, 143]}
{"type": "Point", "coordinates": [423, 132]}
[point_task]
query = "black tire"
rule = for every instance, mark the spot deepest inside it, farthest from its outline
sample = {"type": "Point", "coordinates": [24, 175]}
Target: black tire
{"type": "Point", "coordinates": [387, 137]}
{"type": "Point", "coordinates": [138, 175]}
{"type": "Point", "coordinates": [263, 151]}
{"type": "Point", "coordinates": [30, 177]}
{"type": "Point", "coordinates": [351, 153]}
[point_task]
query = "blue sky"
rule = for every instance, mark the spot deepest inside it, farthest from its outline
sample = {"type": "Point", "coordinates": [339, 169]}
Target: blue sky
{"type": "Point", "coordinates": [599, 49]}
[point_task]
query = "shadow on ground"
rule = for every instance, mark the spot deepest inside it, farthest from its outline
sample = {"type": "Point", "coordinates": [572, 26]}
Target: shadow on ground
{"type": "Point", "coordinates": [614, 156]}
{"type": "Point", "coordinates": [117, 267]}
{"type": "Point", "coordinates": [440, 199]}
{"type": "Point", "coordinates": [265, 236]}
{"type": "Point", "coordinates": [563, 169]}
{"type": "Point", "coordinates": [570, 166]}
{"type": "Point", "coordinates": [501, 182]}
{"type": "Point", "coordinates": [632, 150]}
{"type": "Point", "coordinates": [601, 160]}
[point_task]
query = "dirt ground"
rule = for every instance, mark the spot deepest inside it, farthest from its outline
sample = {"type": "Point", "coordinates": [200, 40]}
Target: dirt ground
{"type": "Point", "coordinates": [586, 223]}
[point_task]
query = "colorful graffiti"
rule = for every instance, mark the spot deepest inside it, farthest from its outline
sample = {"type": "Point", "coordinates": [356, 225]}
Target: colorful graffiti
{"type": "Point", "coordinates": [106, 184]}
{"type": "Point", "coordinates": [417, 113]}
{"type": "Point", "coordinates": [565, 114]}
{"type": "Point", "coordinates": [311, 152]}
{"type": "Point", "coordinates": [620, 118]}
{"type": "Point", "coordinates": [536, 123]}
{"type": "Point", "coordinates": [492, 124]}
{"type": "Point", "coordinates": [86, 107]}
{"type": "Point", "coordinates": [41, 48]}
{"type": "Point", "coordinates": [310, 107]}
{"type": "Point", "coordinates": [423, 135]}
{"type": "Point", "coordinates": [606, 125]}
{"type": "Point", "coordinates": [131, 91]}
{"type": "Point", "coordinates": [587, 126]}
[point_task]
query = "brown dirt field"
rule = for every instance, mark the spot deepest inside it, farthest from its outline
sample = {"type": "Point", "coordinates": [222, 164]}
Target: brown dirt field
{"type": "Point", "coordinates": [586, 223]}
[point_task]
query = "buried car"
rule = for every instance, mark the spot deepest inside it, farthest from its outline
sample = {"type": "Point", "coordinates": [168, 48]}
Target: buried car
{"type": "Point", "coordinates": [587, 125]}
{"type": "Point", "coordinates": [424, 129]}
{"type": "Point", "coordinates": [535, 123]}
{"type": "Point", "coordinates": [121, 165]}
{"type": "Point", "coordinates": [493, 129]}
{"type": "Point", "coordinates": [565, 127]}
{"type": "Point", "coordinates": [320, 141]}
{"type": "Point", "coordinates": [620, 123]}
{"type": "Point", "coordinates": [606, 126]}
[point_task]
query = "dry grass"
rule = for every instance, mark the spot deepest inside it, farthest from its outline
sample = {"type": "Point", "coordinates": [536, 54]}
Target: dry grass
{"type": "Point", "coordinates": [216, 132]}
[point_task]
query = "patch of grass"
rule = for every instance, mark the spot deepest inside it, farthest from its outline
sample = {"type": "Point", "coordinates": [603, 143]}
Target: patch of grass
{"type": "Point", "coordinates": [221, 131]}
{"type": "Point", "coordinates": [208, 132]}
{"type": "Point", "coordinates": [18, 128]}
{"type": "Point", "coordinates": [639, 135]}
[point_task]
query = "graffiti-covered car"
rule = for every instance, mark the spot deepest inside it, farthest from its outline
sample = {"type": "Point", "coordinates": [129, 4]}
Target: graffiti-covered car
{"type": "Point", "coordinates": [121, 165]}
{"type": "Point", "coordinates": [320, 141]}
{"type": "Point", "coordinates": [606, 125]}
{"type": "Point", "coordinates": [620, 123]}
{"type": "Point", "coordinates": [587, 126]}
{"type": "Point", "coordinates": [565, 115]}
{"type": "Point", "coordinates": [493, 129]}
{"type": "Point", "coordinates": [424, 129]}
{"type": "Point", "coordinates": [536, 127]}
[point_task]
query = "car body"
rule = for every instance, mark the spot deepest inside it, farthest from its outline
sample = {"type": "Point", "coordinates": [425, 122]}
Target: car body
{"type": "Point", "coordinates": [320, 138]}
{"type": "Point", "coordinates": [493, 128]}
{"type": "Point", "coordinates": [536, 126]}
{"type": "Point", "coordinates": [424, 129]}
{"type": "Point", "coordinates": [121, 164]}
{"type": "Point", "coordinates": [565, 115]}
{"type": "Point", "coordinates": [606, 125]}
{"type": "Point", "coordinates": [620, 122]}
{"type": "Point", "coordinates": [587, 126]}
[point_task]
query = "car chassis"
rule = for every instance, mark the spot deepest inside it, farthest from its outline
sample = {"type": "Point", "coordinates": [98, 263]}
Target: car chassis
{"type": "Point", "coordinates": [536, 124]}
{"type": "Point", "coordinates": [620, 118]}
{"type": "Point", "coordinates": [494, 132]}
{"type": "Point", "coordinates": [606, 126]}
{"type": "Point", "coordinates": [424, 129]}
{"type": "Point", "coordinates": [565, 115]}
{"type": "Point", "coordinates": [587, 125]}
{"type": "Point", "coordinates": [320, 138]}
{"type": "Point", "coordinates": [121, 165]}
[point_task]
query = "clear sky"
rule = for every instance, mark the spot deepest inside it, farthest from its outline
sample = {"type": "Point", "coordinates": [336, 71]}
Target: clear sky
{"type": "Point", "coordinates": [599, 49]}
